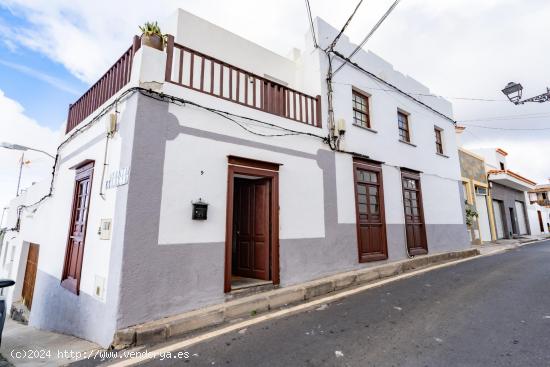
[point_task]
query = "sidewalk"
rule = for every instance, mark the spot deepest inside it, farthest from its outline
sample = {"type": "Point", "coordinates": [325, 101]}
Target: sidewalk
{"type": "Point", "coordinates": [502, 245]}
{"type": "Point", "coordinates": [18, 338]}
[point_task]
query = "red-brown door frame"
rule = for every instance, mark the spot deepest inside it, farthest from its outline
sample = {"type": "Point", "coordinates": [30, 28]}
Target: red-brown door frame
{"type": "Point", "coordinates": [415, 175]}
{"type": "Point", "coordinates": [372, 166]}
{"type": "Point", "coordinates": [84, 169]}
{"type": "Point", "coordinates": [252, 167]}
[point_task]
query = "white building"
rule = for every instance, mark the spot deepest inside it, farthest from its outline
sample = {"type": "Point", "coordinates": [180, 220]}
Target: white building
{"type": "Point", "coordinates": [539, 209]}
{"type": "Point", "coordinates": [244, 130]}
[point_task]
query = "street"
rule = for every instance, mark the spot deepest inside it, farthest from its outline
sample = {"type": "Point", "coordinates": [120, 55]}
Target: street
{"type": "Point", "coordinates": [492, 311]}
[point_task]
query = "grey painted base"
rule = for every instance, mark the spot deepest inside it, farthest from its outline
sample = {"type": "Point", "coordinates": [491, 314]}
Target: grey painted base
{"type": "Point", "coordinates": [163, 280]}
{"type": "Point", "coordinates": [56, 309]}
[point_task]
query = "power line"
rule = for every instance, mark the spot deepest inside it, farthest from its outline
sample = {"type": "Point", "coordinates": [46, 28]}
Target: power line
{"type": "Point", "coordinates": [357, 66]}
{"type": "Point", "coordinates": [430, 94]}
{"type": "Point", "coordinates": [335, 41]}
{"type": "Point", "coordinates": [376, 26]}
{"type": "Point", "coordinates": [506, 129]}
{"type": "Point", "coordinates": [510, 117]}
{"type": "Point", "coordinates": [311, 24]}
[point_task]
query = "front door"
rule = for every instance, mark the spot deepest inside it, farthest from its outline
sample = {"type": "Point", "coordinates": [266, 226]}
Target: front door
{"type": "Point", "coordinates": [30, 275]}
{"type": "Point", "coordinates": [541, 223]}
{"type": "Point", "coordinates": [77, 231]}
{"type": "Point", "coordinates": [414, 214]}
{"type": "Point", "coordinates": [252, 225]}
{"type": "Point", "coordinates": [369, 202]}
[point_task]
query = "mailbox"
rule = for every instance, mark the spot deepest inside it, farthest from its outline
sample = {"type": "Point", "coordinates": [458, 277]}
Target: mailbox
{"type": "Point", "coordinates": [200, 210]}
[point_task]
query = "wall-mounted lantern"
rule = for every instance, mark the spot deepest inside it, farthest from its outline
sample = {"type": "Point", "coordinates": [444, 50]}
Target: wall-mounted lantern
{"type": "Point", "coordinates": [200, 210]}
{"type": "Point", "coordinates": [514, 90]}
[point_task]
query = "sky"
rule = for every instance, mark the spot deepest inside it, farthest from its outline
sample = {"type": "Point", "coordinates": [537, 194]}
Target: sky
{"type": "Point", "coordinates": [51, 51]}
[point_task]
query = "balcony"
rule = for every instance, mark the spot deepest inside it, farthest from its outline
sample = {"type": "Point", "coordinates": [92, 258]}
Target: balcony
{"type": "Point", "coordinates": [194, 70]}
{"type": "Point", "coordinates": [191, 69]}
{"type": "Point", "coordinates": [108, 85]}
{"type": "Point", "coordinates": [511, 179]}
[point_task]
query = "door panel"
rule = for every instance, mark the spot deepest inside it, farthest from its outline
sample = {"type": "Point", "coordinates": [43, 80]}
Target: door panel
{"type": "Point", "coordinates": [522, 222]}
{"type": "Point", "coordinates": [369, 200]}
{"type": "Point", "coordinates": [77, 232]}
{"type": "Point", "coordinates": [252, 228]}
{"type": "Point", "coordinates": [541, 223]}
{"type": "Point", "coordinates": [483, 218]}
{"type": "Point", "coordinates": [414, 214]}
{"type": "Point", "coordinates": [499, 223]}
{"type": "Point", "coordinates": [514, 221]}
{"type": "Point", "coordinates": [30, 275]}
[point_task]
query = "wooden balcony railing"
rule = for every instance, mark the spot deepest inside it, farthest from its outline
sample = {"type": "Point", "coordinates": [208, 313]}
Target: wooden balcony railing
{"type": "Point", "coordinates": [194, 70]}
{"type": "Point", "coordinates": [109, 84]}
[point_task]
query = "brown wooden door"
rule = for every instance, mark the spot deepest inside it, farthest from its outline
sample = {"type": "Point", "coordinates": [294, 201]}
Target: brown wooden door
{"type": "Point", "coordinates": [77, 231]}
{"type": "Point", "coordinates": [252, 221]}
{"type": "Point", "coordinates": [30, 275]}
{"type": "Point", "coordinates": [414, 214]}
{"type": "Point", "coordinates": [369, 202]}
{"type": "Point", "coordinates": [541, 223]}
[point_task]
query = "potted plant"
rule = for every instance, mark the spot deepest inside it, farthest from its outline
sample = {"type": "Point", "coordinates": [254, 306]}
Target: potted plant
{"type": "Point", "coordinates": [152, 36]}
{"type": "Point", "coordinates": [471, 214]}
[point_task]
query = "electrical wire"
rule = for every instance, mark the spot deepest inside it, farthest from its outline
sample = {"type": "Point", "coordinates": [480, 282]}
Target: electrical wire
{"type": "Point", "coordinates": [224, 114]}
{"type": "Point", "coordinates": [357, 66]}
{"type": "Point", "coordinates": [228, 115]}
{"type": "Point", "coordinates": [507, 118]}
{"type": "Point", "coordinates": [506, 129]}
{"type": "Point", "coordinates": [430, 94]}
{"type": "Point", "coordinates": [335, 41]}
{"type": "Point", "coordinates": [376, 26]}
{"type": "Point", "coordinates": [311, 24]}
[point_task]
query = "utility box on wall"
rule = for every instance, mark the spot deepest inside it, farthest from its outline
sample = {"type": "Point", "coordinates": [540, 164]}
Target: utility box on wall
{"type": "Point", "coordinates": [200, 210]}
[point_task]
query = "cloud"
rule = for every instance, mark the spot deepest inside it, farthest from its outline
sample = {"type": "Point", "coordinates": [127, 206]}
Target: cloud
{"type": "Point", "coordinates": [18, 128]}
{"type": "Point", "coordinates": [51, 80]}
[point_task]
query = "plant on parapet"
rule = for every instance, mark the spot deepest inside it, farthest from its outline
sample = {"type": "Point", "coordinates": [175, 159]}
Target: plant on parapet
{"type": "Point", "coordinates": [471, 214]}
{"type": "Point", "coordinates": [152, 36]}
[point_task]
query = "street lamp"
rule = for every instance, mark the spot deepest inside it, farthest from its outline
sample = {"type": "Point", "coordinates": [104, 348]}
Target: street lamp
{"type": "Point", "coordinates": [514, 90]}
{"type": "Point", "coordinates": [22, 162]}
{"type": "Point", "coordinates": [23, 148]}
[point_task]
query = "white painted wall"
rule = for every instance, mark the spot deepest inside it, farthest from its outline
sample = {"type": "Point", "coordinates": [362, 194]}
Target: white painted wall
{"type": "Point", "coordinates": [212, 40]}
{"type": "Point", "coordinates": [47, 225]}
{"type": "Point", "coordinates": [301, 181]}
{"type": "Point", "coordinates": [532, 213]}
{"type": "Point", "coordinates": [440, 174]}
{"type": "Point", "coordinates": [492, 157]}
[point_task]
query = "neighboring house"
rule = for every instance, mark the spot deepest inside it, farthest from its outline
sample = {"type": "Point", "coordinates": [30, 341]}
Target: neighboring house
{"type": "Point", "coordinates": [226, 180]}
{"type": "Point", "coordinates": [539, 209]}
{"type": "Point", "coordinates": [475, 188]}
{"type": "Point", "coordinates": [540, 195]}
{"type": "Point", "coordinates": [507, 196]}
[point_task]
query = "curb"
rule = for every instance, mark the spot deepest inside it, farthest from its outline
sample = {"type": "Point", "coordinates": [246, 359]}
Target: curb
{"type": "Point", "coordinates": [162, 330]}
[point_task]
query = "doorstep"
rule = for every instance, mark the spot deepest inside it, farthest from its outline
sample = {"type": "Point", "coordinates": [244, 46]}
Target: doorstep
{"type": "Point", "coordinates": [161, 330]}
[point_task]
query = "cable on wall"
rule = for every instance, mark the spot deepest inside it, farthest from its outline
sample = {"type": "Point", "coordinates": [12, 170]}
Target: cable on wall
{"type": "Point", "coordinates": [310, 18]}
{"type": "Point", "coordinates": [337, 38]}
{"type": "Point", "coordinates": [182, 102]}
{"type": "Point", "coordinates": [357, 66]}
{"type": "Point", "coordinates": [376, 26]}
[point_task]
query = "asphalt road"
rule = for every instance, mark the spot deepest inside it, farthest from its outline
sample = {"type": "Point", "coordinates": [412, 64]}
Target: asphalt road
{"type": "Point", "coordinates": [492, 311]}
